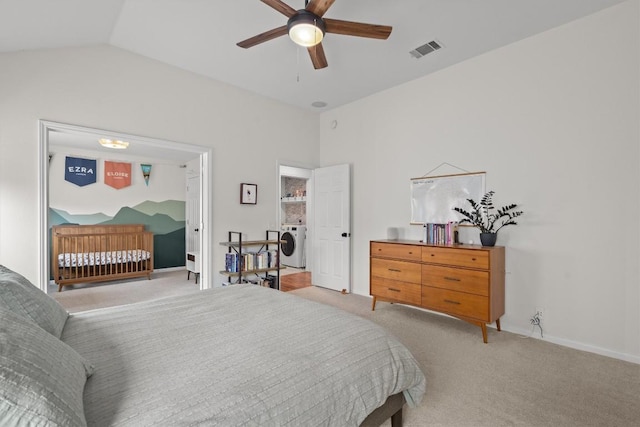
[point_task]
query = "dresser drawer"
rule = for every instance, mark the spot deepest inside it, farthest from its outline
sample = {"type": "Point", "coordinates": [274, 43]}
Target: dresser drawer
{"type": "Point", "coordinates": [394, 250]}
{"type": "Point", "coordinates": [396, 270]}
{"type": "Point", "coordinates": [394, 290]}
{"type": "Point", "coordinates": [473, 258]}
{"type": "Point", "coordinates": [456, 279]}
{"type": "Point", "coordinates": [456, 303]}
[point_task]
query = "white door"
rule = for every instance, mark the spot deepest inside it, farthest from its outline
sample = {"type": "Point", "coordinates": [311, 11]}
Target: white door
{"type": "Point", "coordinates": [193, 214]}
{"type": "Point", "coordinates": [332, 228]}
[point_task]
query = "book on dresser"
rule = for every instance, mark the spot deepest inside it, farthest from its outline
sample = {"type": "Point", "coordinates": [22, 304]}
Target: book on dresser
{"type": "Point", "coordinates": [463, 281]}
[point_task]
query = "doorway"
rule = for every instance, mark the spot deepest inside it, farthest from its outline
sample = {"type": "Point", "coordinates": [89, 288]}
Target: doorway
{"type": "Point", "coordinates": [295, 224]}
{"type": "Point", "coordinates": [328, 221]}
{"type": "Point", "coordinates": [84, 137]}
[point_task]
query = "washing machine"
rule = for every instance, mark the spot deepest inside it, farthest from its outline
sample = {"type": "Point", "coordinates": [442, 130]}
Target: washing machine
{"type": "Point", "coordinates": [292, 251]}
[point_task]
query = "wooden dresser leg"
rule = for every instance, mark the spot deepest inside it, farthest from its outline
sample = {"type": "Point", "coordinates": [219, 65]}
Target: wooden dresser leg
{"type": "Point", "coordinates": [498, 324]}
{"type": "Point", "coordinates": [373, 304]}
{"type": "Point", "coordinates": [484, 332]}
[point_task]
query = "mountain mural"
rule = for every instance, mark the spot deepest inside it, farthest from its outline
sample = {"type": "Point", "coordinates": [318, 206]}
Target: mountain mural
{"type": "Point", "coordinates": [55, 218]}
{"type": "Point", "coordinates": [173, 208]}
{"type": "Point", "coordinates": [158, 223]}
{"type": "Point", "coordinates": [168, 233]}
{"type": "Point", "coordinates": [67, 218]}
{"type": "Point", "coordinates": [169, 249]}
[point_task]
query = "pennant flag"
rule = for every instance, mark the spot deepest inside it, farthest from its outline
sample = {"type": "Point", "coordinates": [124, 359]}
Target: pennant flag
{"type": "Point", "coordinates": [117, 174]}
{"type": "Point", "coordinates": [79, 171]}
{"type": "Point", "coordinates": [146, 172]}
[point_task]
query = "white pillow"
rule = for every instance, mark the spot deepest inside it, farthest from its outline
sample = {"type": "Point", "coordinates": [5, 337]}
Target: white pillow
{"type": "Point", "coordinates": [19, 295]}
{"type": "Point", "coordinates": [42, 379]}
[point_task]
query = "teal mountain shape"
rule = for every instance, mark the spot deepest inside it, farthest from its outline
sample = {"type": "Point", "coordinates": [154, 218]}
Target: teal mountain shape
{"type": "Point", "coordinates": [169, 249]}
{"type": "Point", "coordinates": [173, 208]}
{"type": "Point", "coordinates": [55, 218]}
{"type": "Point", "coordinates": [158, 223]}
{"type": "Point", "coordinates": [59, 216]}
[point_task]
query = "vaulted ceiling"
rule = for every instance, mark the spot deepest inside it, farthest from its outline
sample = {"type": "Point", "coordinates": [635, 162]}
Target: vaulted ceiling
{"type": "Point", "coordinates": [201, 36]}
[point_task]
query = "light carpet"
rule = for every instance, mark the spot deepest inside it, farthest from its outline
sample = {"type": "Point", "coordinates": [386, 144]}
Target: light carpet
{"type": "Point", "coordinates": [82, 297]}
{"type": "Point", "coordinates": [511, 381]}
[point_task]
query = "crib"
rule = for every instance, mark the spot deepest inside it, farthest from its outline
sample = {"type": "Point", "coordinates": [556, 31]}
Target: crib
{"type": "Point", "coordinates": [97, 253]}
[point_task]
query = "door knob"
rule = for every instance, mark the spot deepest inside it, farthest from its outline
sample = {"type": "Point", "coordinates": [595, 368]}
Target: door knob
{"type": "Point", "coordinates": [346, 234]}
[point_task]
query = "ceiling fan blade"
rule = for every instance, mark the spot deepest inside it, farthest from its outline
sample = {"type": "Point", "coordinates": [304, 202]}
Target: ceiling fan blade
{"type": "Point", "coordinates": [318, 58]}
{"type": "Point", "coordinates": [263, 37]}
{"type": "Point", "coordinates": [319, 7]}
{"type": "Point", "coordinates": [359, 29]}
{"type": "Point", "coordinates": [281, 7]}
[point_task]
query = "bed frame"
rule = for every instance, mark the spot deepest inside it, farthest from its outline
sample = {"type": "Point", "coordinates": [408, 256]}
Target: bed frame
{"type": "Point", "coordinates": [96, 253]}
{"type": "Point", "coordinates": [391, 409]}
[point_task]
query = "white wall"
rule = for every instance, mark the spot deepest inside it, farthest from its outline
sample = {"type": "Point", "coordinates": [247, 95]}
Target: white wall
{"type": "Point", "coordinates": [167, 181]}
{"type": "Point", "coordinates": [554, 121]}
{"type": "Point", "coordinates": [108, 88]}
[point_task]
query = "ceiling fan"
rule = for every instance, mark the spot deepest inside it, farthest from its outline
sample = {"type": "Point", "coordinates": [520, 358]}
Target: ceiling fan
{"type": "Point", "coordinates": [307, 27]}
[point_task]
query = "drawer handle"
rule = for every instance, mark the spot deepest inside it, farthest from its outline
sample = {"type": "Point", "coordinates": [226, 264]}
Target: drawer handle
{"type": "Point", "coordinates": [451, 279]}
{"type": "Point", "coordinates": [473, 259]}
{"type": "Point", "coordinates": [396, 270]}
{"type": "Point", "coordinates": [394, 289]}
{"type": "Point", "coordinates": [452, 302]}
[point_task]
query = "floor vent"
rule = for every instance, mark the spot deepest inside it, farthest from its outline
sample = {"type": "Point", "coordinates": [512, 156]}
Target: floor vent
{"type": "Point", "coordinates": [421, 51]}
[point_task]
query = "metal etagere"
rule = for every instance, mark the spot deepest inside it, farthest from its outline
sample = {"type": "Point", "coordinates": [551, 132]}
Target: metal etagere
{"type": "Point", "coordinates": [236, 245]}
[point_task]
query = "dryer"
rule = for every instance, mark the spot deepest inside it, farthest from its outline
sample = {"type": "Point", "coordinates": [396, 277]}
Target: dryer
{"type": "Point", "coordinates": [292, 251]}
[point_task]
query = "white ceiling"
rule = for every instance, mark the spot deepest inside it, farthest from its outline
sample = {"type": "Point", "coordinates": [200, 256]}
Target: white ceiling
{"type": "Point", "coordinates": [201, 36]}
{"type": "Point", "coordinates": [78, 142]}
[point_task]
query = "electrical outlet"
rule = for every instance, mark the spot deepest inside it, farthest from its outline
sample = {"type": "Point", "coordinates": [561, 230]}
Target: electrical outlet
{"type": "Point", "coordinates": [536, 320]}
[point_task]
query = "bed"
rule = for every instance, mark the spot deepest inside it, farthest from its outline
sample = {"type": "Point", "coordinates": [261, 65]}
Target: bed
{"type": "Point", "coordinates": [96, 253]}
{"type": "Point", "coordinates": [239, 355]}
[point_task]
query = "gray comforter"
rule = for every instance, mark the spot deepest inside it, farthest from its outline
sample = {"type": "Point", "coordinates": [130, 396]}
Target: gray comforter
{"type": "Point", "coordinates": [242, 355]}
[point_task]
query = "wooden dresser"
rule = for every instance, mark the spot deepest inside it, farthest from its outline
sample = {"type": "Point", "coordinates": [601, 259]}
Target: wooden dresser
{"type": "Point", "coordinates": [464, 281]}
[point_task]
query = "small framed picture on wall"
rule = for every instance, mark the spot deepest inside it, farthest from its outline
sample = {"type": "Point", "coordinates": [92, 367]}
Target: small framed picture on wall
{"type": "Point", "coordinates": [248, 194]}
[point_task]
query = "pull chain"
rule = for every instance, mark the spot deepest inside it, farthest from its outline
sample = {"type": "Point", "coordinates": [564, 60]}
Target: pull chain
{"type": "Point", "coordinates": [297, 64]}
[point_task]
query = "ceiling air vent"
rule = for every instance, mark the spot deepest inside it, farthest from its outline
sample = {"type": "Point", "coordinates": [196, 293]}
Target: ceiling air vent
{"type": "Point", "coordinates": [421, 51]}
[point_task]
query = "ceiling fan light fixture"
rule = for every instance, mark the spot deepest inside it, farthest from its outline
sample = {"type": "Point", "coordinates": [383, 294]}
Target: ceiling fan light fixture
{"type": "Point", "coordinates": [113, 143]}
{"type": "Point", "coordinates": [305, 28]}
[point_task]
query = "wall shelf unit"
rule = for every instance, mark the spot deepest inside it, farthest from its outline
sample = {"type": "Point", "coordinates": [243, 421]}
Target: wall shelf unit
{"type": "Point", "coordinates": [302, 199]}
{"type": "Point", "coordinates": [253, 258]}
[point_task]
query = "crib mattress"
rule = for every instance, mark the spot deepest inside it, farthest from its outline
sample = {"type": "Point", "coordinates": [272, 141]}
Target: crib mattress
{"type": "Point", "coordinates": [66, 260]}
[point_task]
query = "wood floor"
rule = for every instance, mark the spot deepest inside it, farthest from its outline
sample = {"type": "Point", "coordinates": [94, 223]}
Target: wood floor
{"type": "Point", "coordinates": [290, 282]}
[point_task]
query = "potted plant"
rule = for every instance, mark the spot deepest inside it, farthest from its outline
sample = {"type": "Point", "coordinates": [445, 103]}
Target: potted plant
{"type": "Point", "coordinates": [487, 218]}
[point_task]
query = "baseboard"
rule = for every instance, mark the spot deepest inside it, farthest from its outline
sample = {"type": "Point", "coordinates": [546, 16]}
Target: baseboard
{"type": "Point", "coordinates": [169, 269]}
{"type": "Point", "coordinates": [555, 340]}
{"type": "Point", "coordinates": [575, 345]}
